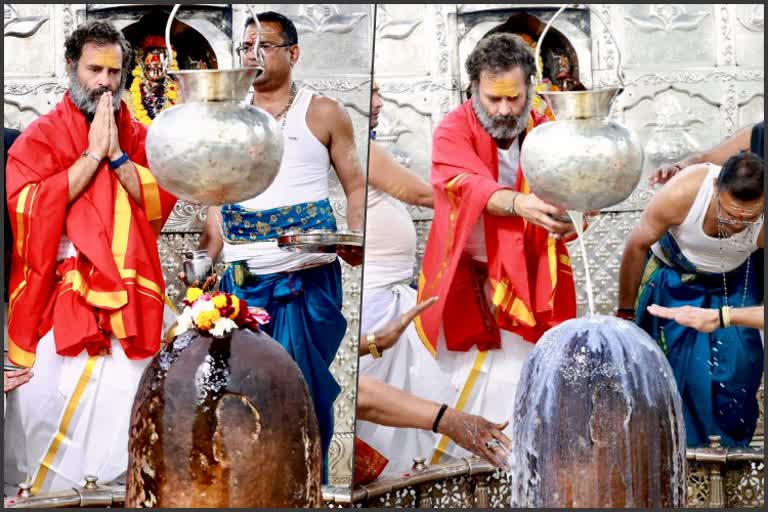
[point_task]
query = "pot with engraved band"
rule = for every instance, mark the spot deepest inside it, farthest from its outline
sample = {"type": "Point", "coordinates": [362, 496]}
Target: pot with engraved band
{"type": "Point", "coordinates": [212, 149]}
{"type": "Point", "coordinates": [583, 160]}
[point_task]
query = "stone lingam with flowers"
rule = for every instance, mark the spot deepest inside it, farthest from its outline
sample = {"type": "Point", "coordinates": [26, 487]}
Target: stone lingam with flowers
{"type": "Point", "coordinates": [223, 417]}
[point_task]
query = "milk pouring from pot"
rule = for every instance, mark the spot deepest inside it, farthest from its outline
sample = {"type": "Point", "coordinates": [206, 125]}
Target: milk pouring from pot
{"type": "Point", "coordinates": [582, 161]}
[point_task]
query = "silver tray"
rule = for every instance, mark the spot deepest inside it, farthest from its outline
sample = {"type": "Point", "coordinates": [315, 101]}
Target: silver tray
{"type": "Point", "coordinates": [319, 241]}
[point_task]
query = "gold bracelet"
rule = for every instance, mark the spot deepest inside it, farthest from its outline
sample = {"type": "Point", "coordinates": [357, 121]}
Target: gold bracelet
{"type": "Point", "coordinates": [372, 348]}
{"type": "Point", "coordinates": [726, 316]}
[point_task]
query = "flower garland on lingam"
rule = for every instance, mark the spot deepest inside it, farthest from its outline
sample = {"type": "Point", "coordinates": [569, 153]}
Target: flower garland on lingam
{"type": "Point", "coordinates": [151, 90]}
{"type": "Point", "coordinates": [218, 314]}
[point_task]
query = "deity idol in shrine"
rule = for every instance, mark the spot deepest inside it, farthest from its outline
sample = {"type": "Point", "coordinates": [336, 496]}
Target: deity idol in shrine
{"type": "Point", "coordinates": [151, 90]}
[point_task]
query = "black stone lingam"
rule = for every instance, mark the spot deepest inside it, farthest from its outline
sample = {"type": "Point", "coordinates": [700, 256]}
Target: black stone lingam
{"type": "Point", "coordinates": [223, 422]}
{"type": "Point", "coordinates": [598, 421]}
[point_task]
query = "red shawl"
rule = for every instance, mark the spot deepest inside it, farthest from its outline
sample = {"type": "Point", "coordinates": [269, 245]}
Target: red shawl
{"type": "Point", "coordinates": [115, 284]}
{"type": "Point", "coordinates": [530, 272]}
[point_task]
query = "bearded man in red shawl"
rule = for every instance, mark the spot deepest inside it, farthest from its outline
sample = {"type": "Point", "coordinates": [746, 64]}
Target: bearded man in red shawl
{"type": "Point", "coordinates": [495, 255]}
{"type": "Point", "coordinates": [87, 291]}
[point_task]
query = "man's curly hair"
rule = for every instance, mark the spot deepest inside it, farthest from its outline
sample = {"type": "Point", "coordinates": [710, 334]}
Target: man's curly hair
{"type": "Point", "coordinates": [499, 53]}
{"type": "Point", "coordinates": [100, 33]}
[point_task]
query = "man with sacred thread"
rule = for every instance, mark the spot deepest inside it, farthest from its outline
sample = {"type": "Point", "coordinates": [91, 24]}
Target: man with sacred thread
{"type": "Point", "coordinates": [697, 245]}
{"type": "Point", "coordinates": [495, 255]}
{"type": "Point", "coordinates": [302, 292]}
{"type": "Point", "coordinates": [87, 301]}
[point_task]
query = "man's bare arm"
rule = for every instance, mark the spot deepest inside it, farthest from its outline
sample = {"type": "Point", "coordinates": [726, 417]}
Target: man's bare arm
{"type": "Point", "coordinates": [749, 317]}
{"type": "Point", "coordinates": [739, 141]}
{"type": "Point", "coordinates": [529, 207]}
{"type": "Point", "coordinates": [387, 175]}
{"type": "Point", "coordinates": [343, 151]}
{"type": "Point", "coordinates": [708, 319]}
{"type": "Point", "coordinates": [667, 208]}
{"type": "Point", "coordinates": [129, 178]}
{"type": "Point", "coordinates": [79, 176]}
{"type": "Point", "coordinates": [211, 238]}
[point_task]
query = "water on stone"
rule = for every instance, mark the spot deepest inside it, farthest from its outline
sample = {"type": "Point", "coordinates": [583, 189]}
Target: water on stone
{"type": "Point", "coordinates": [598, 421]}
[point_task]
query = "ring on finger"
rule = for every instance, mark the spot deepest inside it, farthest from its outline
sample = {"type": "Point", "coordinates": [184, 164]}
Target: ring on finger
{"type": "Point", "coordinates": [492, 444]}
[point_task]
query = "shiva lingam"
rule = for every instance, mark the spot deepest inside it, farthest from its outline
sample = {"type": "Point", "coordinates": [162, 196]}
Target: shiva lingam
{"type": "Point", "coordinates": [582, 161]}
{"type": "Point", "coordinates": [213, 149]}
{"type": "Point", "coordinates": [598, 421]}
{"type": "Point", "coordinates": [223, 417]}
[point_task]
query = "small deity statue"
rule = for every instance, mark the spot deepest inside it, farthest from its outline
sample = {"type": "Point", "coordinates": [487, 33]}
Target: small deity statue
{"type": "Point", "coordinates": [152, 91]}
{"type": "Point", "coordinates": [539, 104]}
{"type": "Point", "coordinates": [560, 69]}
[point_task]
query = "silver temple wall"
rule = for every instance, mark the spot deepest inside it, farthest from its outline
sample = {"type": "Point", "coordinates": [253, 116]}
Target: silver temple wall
{"type": "Point", "coordinates": [694, 75]}
{"type": "Point", "coordinates": [336, 59]}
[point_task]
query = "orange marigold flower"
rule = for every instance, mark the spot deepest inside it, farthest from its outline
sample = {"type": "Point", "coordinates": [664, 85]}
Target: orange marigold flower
{"type": "Point", "coordinates": [205, 319]}
{"type": "Point", "coordinates": [235, 306]}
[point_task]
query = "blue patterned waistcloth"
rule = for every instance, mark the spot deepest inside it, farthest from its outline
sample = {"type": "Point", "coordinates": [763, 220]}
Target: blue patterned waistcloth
{"type": "Point", "coordinates": [243, 226]}
{"type": "Point", "coordinates": [717, 374]}
{"type": "Point", "coordinates": [306, 319]}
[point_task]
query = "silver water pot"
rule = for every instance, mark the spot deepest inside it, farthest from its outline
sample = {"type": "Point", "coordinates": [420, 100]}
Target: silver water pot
{"type": "Point", "coordinates": [198, 266]}
{"type": "Point", "coordinates": [583, 160]}
{"type": "Point", "coordinates": [212, 149]}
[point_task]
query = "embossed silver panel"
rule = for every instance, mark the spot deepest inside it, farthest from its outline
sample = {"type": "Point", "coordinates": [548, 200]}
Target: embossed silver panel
{"type": "Point", "coordinates": [695, 75]}
{"type": "Point", "coordinates": [686, 88]}
{"type": "Point", "coordinates": [657, 35]}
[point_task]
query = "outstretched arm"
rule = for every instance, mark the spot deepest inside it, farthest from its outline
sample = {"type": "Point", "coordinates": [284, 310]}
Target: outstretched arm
{"type": "Point", "coordinates": [739, 141]}
{"type": "Point", "coordinates": [391, 333]}
{"type": "Point", "coordinates": [380, 403]}
{"type": "Point", "coordinates": [668, 207]}
{"type": "Point", "coordinates": [387, 175]}
{"type": "Point", "coordinates": [707, 319]}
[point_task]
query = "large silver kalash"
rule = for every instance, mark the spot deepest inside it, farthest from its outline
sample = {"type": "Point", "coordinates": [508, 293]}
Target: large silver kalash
{"type": "Point", "coordinates": [582, 161]}
{"type": "Point", "coordinates": [212, 149]}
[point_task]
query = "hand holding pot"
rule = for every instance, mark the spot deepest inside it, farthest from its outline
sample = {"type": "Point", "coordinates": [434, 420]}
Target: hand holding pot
{"type": "Point", "coordinates": [533, 209]}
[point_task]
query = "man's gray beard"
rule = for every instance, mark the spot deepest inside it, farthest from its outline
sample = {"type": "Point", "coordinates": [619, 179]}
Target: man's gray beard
{"type": "Point", "coordinates": [82, 99]}
{"type": "Point", "coordinates": [502, 131]}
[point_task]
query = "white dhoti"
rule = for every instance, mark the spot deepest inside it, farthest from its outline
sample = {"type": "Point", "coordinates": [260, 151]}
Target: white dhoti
{"type": "Point", "coordinates": [480, 383]}
{"type": "Point", "coordinates": [483, 383]}
{"type": "Point", "coordinates": [71, 419]}
{"type": "Point", "coordinates": [409, 366]}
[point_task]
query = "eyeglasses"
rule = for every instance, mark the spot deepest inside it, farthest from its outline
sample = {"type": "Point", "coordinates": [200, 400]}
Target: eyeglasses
{"type": "Point", "coordinates": [737, 222]}
{"type": "Point", "coordinates": [265, 47]}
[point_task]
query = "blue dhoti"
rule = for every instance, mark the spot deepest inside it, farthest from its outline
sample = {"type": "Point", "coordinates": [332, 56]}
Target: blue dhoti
{"type": "Point", "coordinates": [304, 305]}
{"type": "Point", "coordinates": [717, 374]}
